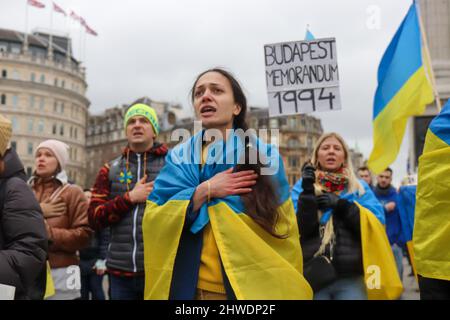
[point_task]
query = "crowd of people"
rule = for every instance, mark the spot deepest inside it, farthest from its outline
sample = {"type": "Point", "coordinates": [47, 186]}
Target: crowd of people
{"type": "Point", "coordinates": [202, 221]}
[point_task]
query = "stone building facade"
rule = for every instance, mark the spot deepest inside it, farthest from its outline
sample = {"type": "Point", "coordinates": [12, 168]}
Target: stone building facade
{"type": "Point", "coordinates": [42, 91]}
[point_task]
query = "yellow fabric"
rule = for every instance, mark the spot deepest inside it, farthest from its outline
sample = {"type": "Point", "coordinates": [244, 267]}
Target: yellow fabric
{"type": "Point", "coordinates": [389, 126]}
{"type": "Point", "coordinates": [380, 271]}
{"type": "Point", "coordinates": [50, 286]}
{"type": "Point", "coordinates": [431, 236]}
{"type": "Point", "coordinates": [161, 230]}
{"type": "Point", "coordinates": [258, 265]}
{"type": "Point", "coordinates": [210, 272]}
{"type": "Point", "coordinates": [410, 248]}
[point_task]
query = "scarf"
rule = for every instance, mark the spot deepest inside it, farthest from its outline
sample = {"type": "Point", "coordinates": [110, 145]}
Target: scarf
{"type": "Point", "coordinates": [334, 182]}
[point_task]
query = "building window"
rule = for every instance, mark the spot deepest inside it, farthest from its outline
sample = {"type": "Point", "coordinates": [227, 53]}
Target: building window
{"type": "Point", "coordinates": [41, 126]}
{"type": "Point", "coordinates": [3, 99]}
{"type": "Point", "coordinates": [42, 104]}
{"type": "Point", "coordinates": [4, 74]}
{"type": "Point", "coordinates": [56, 82]}
{"type": "Point", "coordinates": [31, 102]}
{"type": "Point", "coordinates": [61, 130]}
{"type": "Point", "coordinates": [293, 162]}
{"type": "Point", "coordinates": [15, 100]}
{"type": "Point", "coordinates": [75, 154]}
{"type": "Point", "coordinates": [71, 132]}
{"type": "Point", "coordinates": [292, 123]}
{"type": "Point", "coordinates": [310, 143]}
{"type": "Point", "coordinates": [273, 123]}
{"type": "Point", "coordinates": [303, 121]}
{"type": "Point", "coordinates": [30, 148]}
{"type": "Point", "coordinates": [30, 125]}
{"type": "Point", "coordinates": [33, 77]}
{"type": "Point", "coordinates": [55, 106]}
{"type": "Point", "coordinates": [62, 107]}
{"type": "Point", "coordinates": [54, 129]}
{"type": "Point", "coordinates": [16, 75]}
{"type": "Point", "coordinates": [293, 143]}
{"type": "Point", "coordinates": [14, 145]}
{"type": "Point", "coordinates": [14, 124]}
{"type": "Point", "coordinates": [76, 133]}
{"type": "Point", "coordinates": [63, 83]}
{"type": "Point", "coordinates": [42, 78]}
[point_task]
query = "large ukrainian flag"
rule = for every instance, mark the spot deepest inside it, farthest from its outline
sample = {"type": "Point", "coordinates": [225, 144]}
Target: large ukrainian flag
{"type": "Point", "coordinates": [258, 265]}
{"type": "Point", "coordinates": [431, 235]}
{"type": "Point", "coordinates": [403, 91]}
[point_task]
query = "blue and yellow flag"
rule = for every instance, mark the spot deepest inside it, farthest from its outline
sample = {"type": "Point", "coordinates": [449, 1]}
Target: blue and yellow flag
{"type": "Point", "coordinates": [309, 35]}
{"type": "Point", "coordinates": [403, 90]}
{"type": "Point", "coordinates": [257, 264]}
{"type": "Point", "coordinates": [431, 235]}
{"type": "Point", "coordinates": [380, 271]}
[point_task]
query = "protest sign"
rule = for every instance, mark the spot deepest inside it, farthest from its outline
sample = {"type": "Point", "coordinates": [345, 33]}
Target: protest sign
{"type": "Point", "coordinates": [302, 77]}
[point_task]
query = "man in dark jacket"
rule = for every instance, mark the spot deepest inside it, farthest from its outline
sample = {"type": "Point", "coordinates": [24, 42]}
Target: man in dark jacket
{"type": "Point", "coordinates": [388, 197]}
{"type": "Point", "coordinates": [23, 239]}
{"type": "Point", "coordinates": [118, 200]}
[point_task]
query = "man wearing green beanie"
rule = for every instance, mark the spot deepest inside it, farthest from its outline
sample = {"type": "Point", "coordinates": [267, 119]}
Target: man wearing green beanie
{"type": "Point", "coordinates": [118, 201]}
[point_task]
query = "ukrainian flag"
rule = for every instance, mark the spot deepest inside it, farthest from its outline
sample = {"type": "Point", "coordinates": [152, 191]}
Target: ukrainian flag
{"type": "Point", "coordinates": [431, 235]}
{"type": "Point", "coordinates": [257, 264]}
{"type": "Point", "coordinates": [380, 271]}
{"type": "Point", "coordinates": [403, 91]}
{"type": "Point", "coordinates": [309, 35]}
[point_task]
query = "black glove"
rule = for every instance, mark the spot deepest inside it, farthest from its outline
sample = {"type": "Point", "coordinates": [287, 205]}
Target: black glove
{"type": "Point", "coordinates": [308, 179]}
{"type": "Point", "coordinates": [327, 201]}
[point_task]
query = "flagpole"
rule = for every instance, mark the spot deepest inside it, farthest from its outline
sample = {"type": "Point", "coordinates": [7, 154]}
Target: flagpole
{"type": "Point", "coordinates": [25, 43]}
{"type": "Point", "coordinates": [428, 57]}
{"type": "Point", "coordinates": [50, 47]}
{"type": "Point", "coordinates": [81, 40]}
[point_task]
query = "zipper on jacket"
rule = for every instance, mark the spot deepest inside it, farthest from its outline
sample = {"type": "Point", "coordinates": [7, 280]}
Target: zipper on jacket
{"type": "Point", "coordinates": [135, 215]}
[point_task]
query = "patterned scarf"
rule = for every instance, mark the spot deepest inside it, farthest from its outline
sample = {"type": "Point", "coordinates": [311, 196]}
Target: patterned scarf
{"type": "Point", "coordinates": [335, 182]}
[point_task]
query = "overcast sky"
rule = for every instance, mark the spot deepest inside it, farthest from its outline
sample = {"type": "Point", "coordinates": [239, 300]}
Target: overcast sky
{"type": "Point", "coordinates": [156, 48]}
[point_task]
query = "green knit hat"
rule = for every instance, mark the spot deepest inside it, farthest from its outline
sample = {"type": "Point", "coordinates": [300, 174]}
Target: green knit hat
{"type": "Point", "coordinates": [144, 110]}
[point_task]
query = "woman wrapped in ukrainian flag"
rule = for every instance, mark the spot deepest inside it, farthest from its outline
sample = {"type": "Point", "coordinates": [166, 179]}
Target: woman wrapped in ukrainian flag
{"type": "Point", "coordinates": [341, 219]}
{"type": "Point", "coordinates": [220, 223]}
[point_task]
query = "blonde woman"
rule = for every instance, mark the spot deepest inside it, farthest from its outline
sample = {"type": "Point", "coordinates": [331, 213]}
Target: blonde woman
{"type": "Point", "coordinates": [332, 206]}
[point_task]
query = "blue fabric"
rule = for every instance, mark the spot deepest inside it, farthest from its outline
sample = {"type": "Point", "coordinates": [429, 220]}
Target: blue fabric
{"type": "Point", "coordinates": [309, 35]}
{"type": "Point", "coordinates": [127, 288]}
{"type": "Point", "coordinates": [401, 60]}
{"type": "Point", "coordinates": [367, 200]}
{"type": "Point", "coordinates": [349, 288]}
{"type": "Point", "coordinates": [182, 173]}
{"type": "Point", "coordinates": [406, 206]}
{"type": "Point", "coordinates": [398, 255]}
{"type": "Point", "coordinates": [439, 126]}
{"type": "Point", "coordinates": [393, 222]}
{"type": "Point", "coordinates": [92, 284]}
